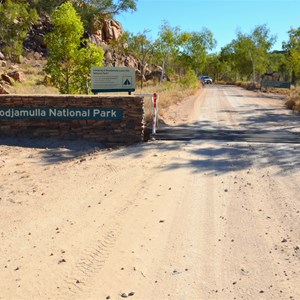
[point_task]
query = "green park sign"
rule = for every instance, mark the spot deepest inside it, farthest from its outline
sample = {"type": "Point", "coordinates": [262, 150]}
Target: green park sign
{"type": "Point", "coordinates": [62, 113]}
{"type": "Point", "coordinates": [276, 84]}
{"type": "Point", "coordinates": [113, 79]}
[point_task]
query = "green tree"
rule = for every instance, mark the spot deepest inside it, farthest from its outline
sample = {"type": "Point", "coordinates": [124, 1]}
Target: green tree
{"type": "Point", "coordinates": [141, 47]}
{"type": "Point", "coordinates": [190, 80]}
{"type": "Point", "coordinates": [250, 52]}
{"type": "Point", "coordinates": [292, 48]}
{"type": "Point", "coordinates": [278, 62]}
{"type": "Point", "coordinates": [121, 44]}
{"type": "Point", "coordinates": [99, 6]}
{"type": "Point", "coordinates": [195, 49]}
{"type": "Point", "coordinates": [69, 62]}
{"type": "Point", "coordinates": [16, 18]}
{"type": "Point", "coordinates": [45, 6]}
{"type": "Point", "coordinates": [214, 67]}
{"type": "Point", "coordinates": [92, 12]}
{"type": "Point", "coordinates": [166, 47]}
{"type": "Point", "coordinates": [227, 59]}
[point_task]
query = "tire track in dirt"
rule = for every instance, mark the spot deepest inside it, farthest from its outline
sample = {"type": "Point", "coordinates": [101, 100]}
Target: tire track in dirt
{"type": "Point", "coordinates": [80, 278]}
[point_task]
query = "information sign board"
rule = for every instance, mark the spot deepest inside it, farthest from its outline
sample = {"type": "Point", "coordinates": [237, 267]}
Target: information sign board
{"type": "Point", "coordinates": [113, 79]}
{"type": "Point", "coordinates": [276, 84]}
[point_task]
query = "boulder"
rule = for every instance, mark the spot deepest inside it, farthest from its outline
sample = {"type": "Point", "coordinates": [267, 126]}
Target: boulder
{"type": "Point", "coordinates": [2, 57]}
{"type": "Point", "coordinates": [3, 90]}
{"type": "Point", "coordinates": [7, 79]}
{"type": "Point", "coordinates": [131, 62]}
{"type": "Point", "coordinates": [108, 56]}
{"type": "Point", "coordinates": [35, 38]}
{"type": "Point", "coordinates": [157, 75]}
{"type": "Point", "coordinates": [17, 76]}
{"type": "Point", "coordinates": [111, 30]}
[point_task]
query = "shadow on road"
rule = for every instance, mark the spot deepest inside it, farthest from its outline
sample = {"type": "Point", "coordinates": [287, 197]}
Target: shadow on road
{"type": "Point", "coordinates": [218, 157]}
{"type": "Point", "coordinates": [221, 149]}
{"type": "Point", "coordinates": [53, 150]}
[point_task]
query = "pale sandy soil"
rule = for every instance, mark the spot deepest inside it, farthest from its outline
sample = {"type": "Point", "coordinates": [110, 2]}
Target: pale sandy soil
{"type": "Point", "coordinates": [160, 220]}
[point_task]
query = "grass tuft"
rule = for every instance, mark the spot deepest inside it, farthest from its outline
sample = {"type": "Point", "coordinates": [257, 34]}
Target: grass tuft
{"type": "Point", "coordinates": [293, 101]}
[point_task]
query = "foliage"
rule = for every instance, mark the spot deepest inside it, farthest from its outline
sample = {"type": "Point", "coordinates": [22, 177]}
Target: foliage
{"type": "Point", "coordinates": [121, 44]}
{"type": "Point", "coordinates": [292, 48]}
{"type": "Point", "coordinates": [251, 51]}
{"type": "Point", "coordinates": [190, 80]}
{"type": "Point", "coordinates": [140, 47]}
{"type": "Point", "coordinates": [248, 53]}
{"type": "Point", "coordinates": [98, 6]}
{"type": "Point", "coordinates": [277, 62]}
{"type": "Point", "coordinates": [178, 52]}
{"type": "Point", "coordinates": [214, 67]}
{"type": "Point", "coordinates": [166, 47]}
{"type": "Point", "coordinates": [16, 18]}
{"type": "Point", "coordinates": [46, 6]}
{"type": "Point", "coordinates": [293, 101]}
{"type": "Point", "coordinates": [68, 64]}
{"type": "Point", "coordinates": [92, 12]}
{"type": "Point", "coordinates": [194, 49]}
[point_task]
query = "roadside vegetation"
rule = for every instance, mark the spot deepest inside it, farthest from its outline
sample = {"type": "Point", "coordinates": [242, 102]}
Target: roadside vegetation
{"type": "Point", "coordinates": [178, 57]}
{"type": "Point", "coordinates": [293, 101]}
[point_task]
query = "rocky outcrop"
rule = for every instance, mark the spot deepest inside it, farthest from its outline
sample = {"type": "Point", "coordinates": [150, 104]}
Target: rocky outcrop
{"type": "Point", "coordinates": [35, 41]}
{"type": "Point", "coordinates": [7, 79]}
{"type": "Point", "coordinates": [12, 77]}
{"type": "Point", "coordinates": [111, 30]}
{"type": "Point", "coordinates": [17, 76]}
{"type": "Point", "coordinates": [114, 59]}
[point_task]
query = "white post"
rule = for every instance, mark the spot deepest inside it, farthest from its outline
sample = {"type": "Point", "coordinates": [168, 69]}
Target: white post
{"type": "Point", "coordinates": [155, 112]}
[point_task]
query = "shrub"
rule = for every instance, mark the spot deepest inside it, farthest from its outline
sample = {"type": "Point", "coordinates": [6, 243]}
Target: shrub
{"type": "Point", "coordinates": [293, 101]}
{"type": "Point", "coordinates": [190, 80]}
{"type": "Point", "coordinates": [69, 63]}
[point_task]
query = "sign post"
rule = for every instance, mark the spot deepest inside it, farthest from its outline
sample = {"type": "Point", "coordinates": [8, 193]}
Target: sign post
{"type": "Point", "coordinates": [155, 113]}
{"type": "Point", "coordinates": [113, 79]}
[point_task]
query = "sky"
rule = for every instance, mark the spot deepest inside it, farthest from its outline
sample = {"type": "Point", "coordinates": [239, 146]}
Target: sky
{"type": "Point", "coordinates": [222, 17]}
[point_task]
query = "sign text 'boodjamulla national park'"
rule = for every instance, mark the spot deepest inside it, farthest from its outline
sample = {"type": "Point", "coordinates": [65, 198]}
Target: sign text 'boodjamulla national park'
{"type": "Point", "coordinates": [62, 113]}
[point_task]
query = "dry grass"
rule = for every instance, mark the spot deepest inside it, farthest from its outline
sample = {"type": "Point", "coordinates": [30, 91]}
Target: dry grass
{"type": "Point", "coordinates": [293, 101]}
{"type": "Point", "coordinates": [33, 89]}
{"type": "Point", "coordinates": [32, 68]}
{"type": "Point", "coordinates": [248, 85]}
{"type": "Point", "coordinates": [168, 94]}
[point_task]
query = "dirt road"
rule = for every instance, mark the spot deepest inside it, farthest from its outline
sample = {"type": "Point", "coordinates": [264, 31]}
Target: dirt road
{"type": "Point", "coordinates": [178, 219]}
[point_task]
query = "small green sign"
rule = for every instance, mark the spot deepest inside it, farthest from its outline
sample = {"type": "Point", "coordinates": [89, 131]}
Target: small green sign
{"type": "Point", "coordinates": [62, 113]}
{"type": "Point", "coordinates": [276, 84]}
{"type": "Point", "coordinates": [112, 79]}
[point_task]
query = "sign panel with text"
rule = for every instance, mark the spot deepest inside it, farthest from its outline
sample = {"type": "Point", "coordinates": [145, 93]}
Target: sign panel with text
{"type": "Point", "coordinates": [62, 113]}
{"type": "Point", "coordinates": [276, 84]}
{"type": "Point", "coordinates": [113, 79]}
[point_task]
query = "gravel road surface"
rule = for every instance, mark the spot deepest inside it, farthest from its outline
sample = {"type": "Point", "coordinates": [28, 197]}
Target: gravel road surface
{"type": "Point", "coordinates": [210, 211]}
